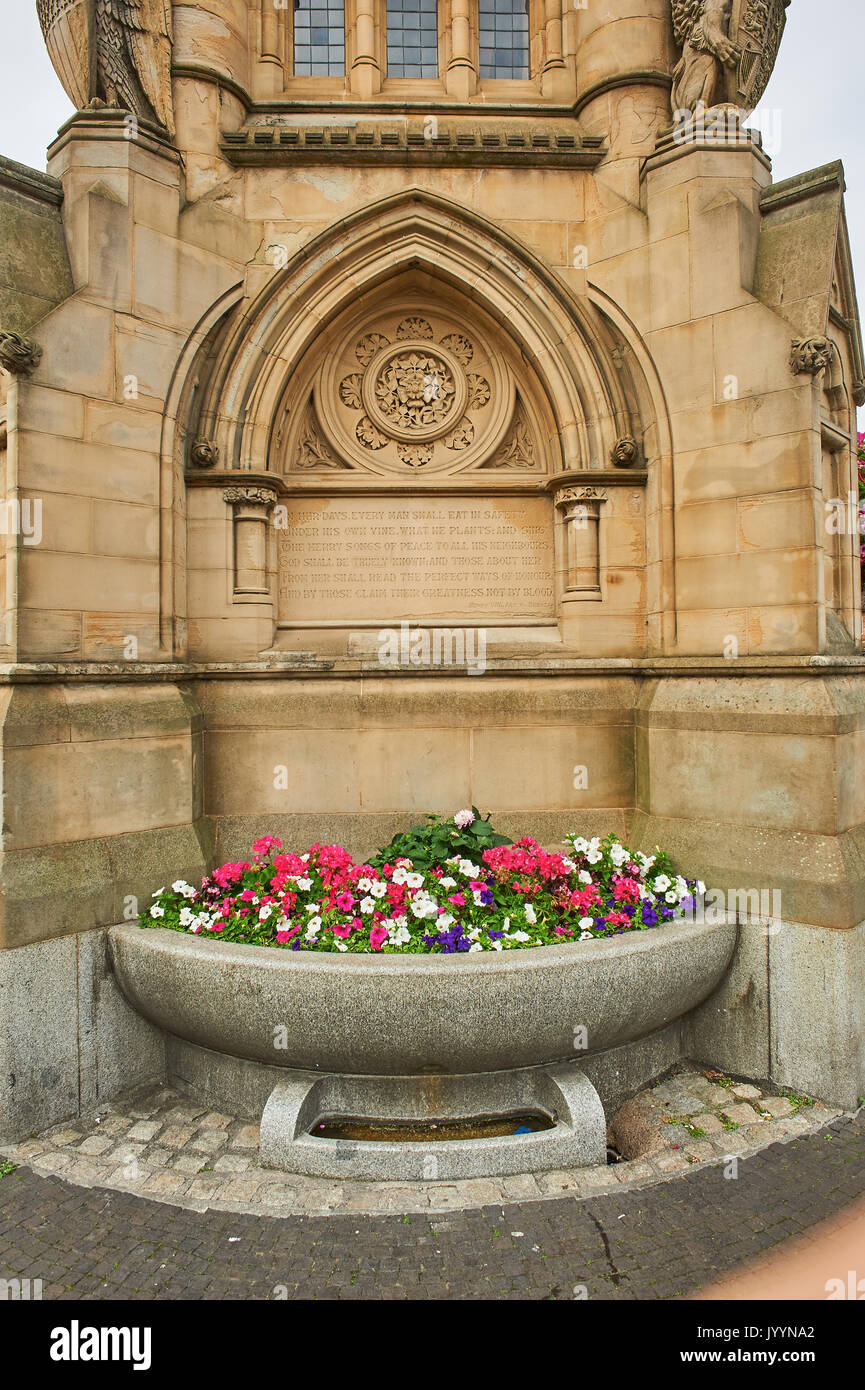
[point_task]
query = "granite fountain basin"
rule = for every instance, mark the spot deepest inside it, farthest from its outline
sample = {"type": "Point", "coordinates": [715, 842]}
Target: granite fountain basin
{"type": "Point", "coordinates": [404, 1015]}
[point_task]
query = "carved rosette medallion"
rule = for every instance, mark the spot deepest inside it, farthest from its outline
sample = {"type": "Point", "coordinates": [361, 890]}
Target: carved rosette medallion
{"type": "Point", "coordinates": [411, 392]}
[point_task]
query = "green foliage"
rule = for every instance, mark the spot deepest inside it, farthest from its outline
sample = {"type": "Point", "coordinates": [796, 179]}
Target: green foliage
{"type": "Point", "coordinates": [6, 1169]}
{"type": "Point", "coordinates": [439, 840]}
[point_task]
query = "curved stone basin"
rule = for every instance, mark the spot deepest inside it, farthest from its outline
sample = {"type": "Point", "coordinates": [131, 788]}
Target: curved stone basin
{"type": "Point", "coordinates": [404, 1015]}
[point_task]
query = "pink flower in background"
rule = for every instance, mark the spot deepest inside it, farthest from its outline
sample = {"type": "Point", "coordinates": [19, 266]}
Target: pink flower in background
{"type": "Point", "coordinates": [342, 930]}
{"type": "Point", "coordinates": [283, 936]}
{"type": "Point", "coordinates": [344, 901]}
{"type": "Point", "coordinates": [265, 845]}
{"type": "Point", "coordinates": [377, 938]}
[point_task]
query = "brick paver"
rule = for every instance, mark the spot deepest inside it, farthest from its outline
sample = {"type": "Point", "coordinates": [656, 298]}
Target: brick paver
{"type": "Point", "coordinates": [656, 1243]}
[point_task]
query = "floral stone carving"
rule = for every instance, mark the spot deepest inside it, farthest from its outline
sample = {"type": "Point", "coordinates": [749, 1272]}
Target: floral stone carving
{"type": "Point", "coordinates": [413, 397]}
{"type": "Point", "coordinates": [811, 355]}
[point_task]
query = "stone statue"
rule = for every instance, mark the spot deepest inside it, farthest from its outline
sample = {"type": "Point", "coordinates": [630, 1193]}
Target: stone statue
{"type": "Point", "coordinates": [729, 48]}
{"type": "Point", "coordinates": [113, 52]}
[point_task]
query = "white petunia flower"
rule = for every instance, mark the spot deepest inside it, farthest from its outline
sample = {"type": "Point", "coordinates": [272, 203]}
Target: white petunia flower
{"type": "Point", "coordinates": [584, 876]}
{"type": "Point", "coordinates": [594, 856]}
{"type": "Point", "coordinates": [475, 946]}
{"type": "Point", "coordinates": [672, 896]}
{"type": "Point", "coordinates": [266, 911]}
{"type": "Point", "coordinates": [447, 882]}
{"type": "Point", "coordinates": [414, 880]}
{"type": "Point", "coordinates": [314, 925]}
{"type": "Point", "coordinates": [662, 883]}
{"type": "Point", "coordinates": [586, 923]}
{"type": "Point", "coordinates": [520, 936]}
{"type": "Point", "coordinates": [181, 886]}
{"type": "Point", "coordinates": [378, 890]}
{"type": "Point", "coordinates": [364, 885]}
{"type": "Point", "coordinates": [187, 917]}
{"type": "Point", "coordinates": [157, 893]}
{"type": "Point", "coordinates": [367, 905]}
{"type": "Point", "coordinates": [496, 945]}
{"type": "Point", "coordinates": [157, 911]}
{"type": "Point", "coordinates": [581, 845]}
{"type": "Point", "coordinates": [586, 936]}
{"type": "Point", "coordinates": [446, 920]}
{"type": "Point", "coordinates": [400, 876]}
{"type": "Point", "coordinates": [530, 914]}
{"type": "Point", "coordinates": [469, 869]}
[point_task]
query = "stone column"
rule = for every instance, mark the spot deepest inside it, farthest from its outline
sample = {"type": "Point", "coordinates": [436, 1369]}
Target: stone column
{"type": "Point", "coordinates": [251, 508]}
{"type": "Point", "coordinates": [272, 72]}
{"type": "Point", "coordinates": [555, 79]}
{"type": "Point", "coordinates": [365, 70]}
{"type": "Point", "coordinates": [461, 79]}
{"type": "Point", "coordinates": [581, 513]}
{"type": "Point", "coordinates": [625, 60]}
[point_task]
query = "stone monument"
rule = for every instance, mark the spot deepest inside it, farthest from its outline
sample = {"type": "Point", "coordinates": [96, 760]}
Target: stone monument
{"type": "Point", "coordinates": [405, 407]}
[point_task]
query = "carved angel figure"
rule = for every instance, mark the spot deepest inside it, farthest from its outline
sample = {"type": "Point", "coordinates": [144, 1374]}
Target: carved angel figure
{"type": "Point", "coordinates": [702, 30]}
{"type": "Point", "coordinates": [117, 52]}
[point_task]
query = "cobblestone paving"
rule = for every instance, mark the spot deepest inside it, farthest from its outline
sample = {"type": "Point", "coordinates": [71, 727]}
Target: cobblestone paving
{"type": "Point", "coordinates": [658, 1243]}
{"type": "Point", "coordinates": [160, 1144]}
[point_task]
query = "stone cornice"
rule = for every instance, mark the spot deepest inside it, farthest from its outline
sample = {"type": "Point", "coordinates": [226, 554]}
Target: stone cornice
{"type": "Point", "coordinates": [377, 142]}
{"type": "Point", "coordinates": [33, 184]}
{"type": "Point", "coordinates": [302, 666]}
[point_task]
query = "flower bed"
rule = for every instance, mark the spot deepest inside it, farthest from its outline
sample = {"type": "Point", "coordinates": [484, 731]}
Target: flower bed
{"type": "Point", "coordinates": [451, 886]}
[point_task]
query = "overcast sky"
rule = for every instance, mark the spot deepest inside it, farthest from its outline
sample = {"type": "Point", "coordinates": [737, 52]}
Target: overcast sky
{"type": "Point", "coordinates": [811, 113]}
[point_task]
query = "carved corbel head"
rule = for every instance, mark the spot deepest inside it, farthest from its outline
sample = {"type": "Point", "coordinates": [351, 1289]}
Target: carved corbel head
{"type": "Point", "coordinates": [811, 355]}
{"type": "Point", "coordinates": [19, 355]}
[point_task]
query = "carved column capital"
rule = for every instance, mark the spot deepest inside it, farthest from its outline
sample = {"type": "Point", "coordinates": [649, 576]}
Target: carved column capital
{"type": "Point", "coordinates": [251, 496]}
{"type": "Point", "coordinates": [19, 355]}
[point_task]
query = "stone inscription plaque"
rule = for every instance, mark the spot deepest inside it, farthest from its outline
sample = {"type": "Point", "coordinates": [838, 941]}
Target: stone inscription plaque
{"type": "Point", "coordinates": [375, 558]}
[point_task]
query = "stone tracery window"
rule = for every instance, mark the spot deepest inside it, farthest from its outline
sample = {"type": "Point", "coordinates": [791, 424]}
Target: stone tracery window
{"type": "Point", "coordinates": [503, 31]}
{"type": "Point", "coordinates": [319, 38]}
{"type": "Point", "coordinates": [412, 38]}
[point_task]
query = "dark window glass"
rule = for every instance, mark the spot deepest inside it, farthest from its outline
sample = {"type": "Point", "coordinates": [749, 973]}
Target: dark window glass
{"type": "Point", "coordinates": [319, 38]}
{"type": "Point", "coordinates": [504, 38]}
{"type": "Point", "coordinates": [412, 38]}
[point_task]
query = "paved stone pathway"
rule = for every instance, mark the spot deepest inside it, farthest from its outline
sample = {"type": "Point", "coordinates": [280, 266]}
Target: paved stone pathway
{"type": "Point", "coordinates": [161, 1144]}
{"type": "Point", "coordinates": [661, 1242]}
